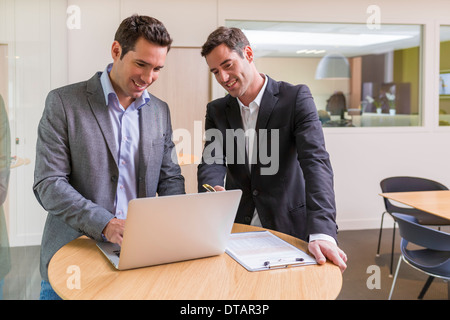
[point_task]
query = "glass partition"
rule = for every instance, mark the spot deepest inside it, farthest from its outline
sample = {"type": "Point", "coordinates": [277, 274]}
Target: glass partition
{"type": "Point", "coordinates": [26, 57]}
{"type": "Point", "coordinates": [358, 76]}
{"type": "Point", "coordinates": [444, 77]}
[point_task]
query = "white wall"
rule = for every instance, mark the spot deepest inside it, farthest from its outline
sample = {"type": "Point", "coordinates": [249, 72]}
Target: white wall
{"type": "Point", "coordinates": [188, 22]}
{"type": "Point", "coordinates": [361, 157]}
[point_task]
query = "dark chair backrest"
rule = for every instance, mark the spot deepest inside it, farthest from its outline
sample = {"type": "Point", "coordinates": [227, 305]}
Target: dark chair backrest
{"type": "Point", "coordinates": [421, 235]}
{"type": "Point", "coordinates": [406, 184]}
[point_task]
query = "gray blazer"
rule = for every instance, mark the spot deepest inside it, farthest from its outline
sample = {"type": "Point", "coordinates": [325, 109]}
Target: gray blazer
{"type": "Point", "coordinates": [76, 169]}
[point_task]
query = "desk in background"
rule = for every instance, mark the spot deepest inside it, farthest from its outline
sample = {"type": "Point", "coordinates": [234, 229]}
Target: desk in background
{"type": "Point", "coordinates": [433, 202]}
{"type": "Point", "coordinates": [213, 278]}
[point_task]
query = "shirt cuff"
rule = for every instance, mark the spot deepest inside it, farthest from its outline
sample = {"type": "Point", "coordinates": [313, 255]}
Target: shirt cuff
{"type": "Point", "coordinates": [321, 236]}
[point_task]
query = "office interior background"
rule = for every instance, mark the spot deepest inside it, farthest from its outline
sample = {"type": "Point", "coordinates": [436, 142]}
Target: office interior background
{"type": "Point", "coordinates": [398, 54]}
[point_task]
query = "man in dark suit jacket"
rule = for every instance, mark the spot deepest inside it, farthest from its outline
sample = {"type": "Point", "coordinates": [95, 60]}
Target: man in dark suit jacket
{"type": "Point", "coordinates": [284, 171]}
{"type": "Point", "coordinates": [105, 141]}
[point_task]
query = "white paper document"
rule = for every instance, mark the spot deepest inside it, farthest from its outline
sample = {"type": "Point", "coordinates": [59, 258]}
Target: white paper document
{"type": "Point", "coordinates": [262, 250]}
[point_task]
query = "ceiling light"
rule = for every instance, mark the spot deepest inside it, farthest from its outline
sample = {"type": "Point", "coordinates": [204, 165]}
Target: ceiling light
{"type": "Point", "coordinates": [260, 37]}
{"type": "Point", "coordinates": [307, 51]}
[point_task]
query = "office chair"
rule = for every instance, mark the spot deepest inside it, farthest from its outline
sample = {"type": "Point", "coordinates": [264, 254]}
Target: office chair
{"type": "Point", "coordinates": [404, 184]}
{"type": "Point", "coordinates": [336, 104]}
{"type": "Point", "coordinates": [433, 258]}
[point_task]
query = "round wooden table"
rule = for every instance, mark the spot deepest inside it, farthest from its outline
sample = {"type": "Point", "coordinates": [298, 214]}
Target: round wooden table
{"type": "Point", "coordinates": [80, 271]}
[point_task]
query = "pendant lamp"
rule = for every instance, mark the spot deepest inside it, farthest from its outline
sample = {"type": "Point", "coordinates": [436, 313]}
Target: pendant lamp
{"type": "Point", "coordinates": [333, 66]}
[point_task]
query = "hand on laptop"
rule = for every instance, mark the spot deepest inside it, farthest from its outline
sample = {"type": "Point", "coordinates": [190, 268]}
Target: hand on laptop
{"type": "Point", "coordinates": [219, 188]}
{"type": "Point", "coordinates": [114, 231]}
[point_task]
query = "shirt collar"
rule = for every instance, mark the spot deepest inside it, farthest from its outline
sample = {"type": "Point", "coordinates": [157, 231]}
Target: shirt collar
{"type": "Point", "coordinates": [109, 92]}
{"type": "Point", "coordinates": [258, 98]}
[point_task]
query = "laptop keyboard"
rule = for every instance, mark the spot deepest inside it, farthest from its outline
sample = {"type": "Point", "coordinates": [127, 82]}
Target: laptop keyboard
{"type": "Point", "coordinates": [117, 253]}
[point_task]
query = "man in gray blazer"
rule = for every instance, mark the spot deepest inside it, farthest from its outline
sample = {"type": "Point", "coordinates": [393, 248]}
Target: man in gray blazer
{"type": "Point", "coordinates": [105, 141]}
{"type": "Point", "coordinates": [285, 173]}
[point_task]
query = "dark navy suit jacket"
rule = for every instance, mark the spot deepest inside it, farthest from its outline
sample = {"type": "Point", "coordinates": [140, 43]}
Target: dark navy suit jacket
{"type": "Point", "coordinates": [297, 198]}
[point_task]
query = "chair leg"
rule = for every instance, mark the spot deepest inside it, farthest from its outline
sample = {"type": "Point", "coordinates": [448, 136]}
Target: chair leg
{"type": "Point", "coordinates": [392, 251]}
{"type": "Point", "coordinates": [379, 236]}
{"type": "Point", "coordinates": [395, 277]}
{"type": "Point", "coordinates": [425, 287]}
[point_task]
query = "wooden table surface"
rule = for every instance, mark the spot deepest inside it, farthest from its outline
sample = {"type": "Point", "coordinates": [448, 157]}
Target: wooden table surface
{"type": "Point", "coordinates": [433, 202]}
{"type": "Point", "coordinates": [80, 271]}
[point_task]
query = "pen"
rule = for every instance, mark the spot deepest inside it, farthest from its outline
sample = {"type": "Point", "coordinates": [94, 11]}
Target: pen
{"type": "Point", "coordinates": [208, 188]}
{"type": "Point", "coordinates": [279, 263]}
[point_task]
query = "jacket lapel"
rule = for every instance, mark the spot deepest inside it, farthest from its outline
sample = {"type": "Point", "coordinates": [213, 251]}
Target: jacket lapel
{"type": "Point", "coordinates": [234, 118]}
{"type": "Point", "coordinates": [146, 119]}
{"type": "Point", "coordinates": [268, 102]}
{"type": "Point", "coordinates": [99, 108]}
{"type": "Point", "coordinates": [233, 113]}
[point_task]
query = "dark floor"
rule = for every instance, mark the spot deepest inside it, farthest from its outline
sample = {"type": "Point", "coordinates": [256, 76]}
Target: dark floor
{"type": "Point", "coordinates": [23, 281]}
{"type": "Point", "coordinates": [362, 272]}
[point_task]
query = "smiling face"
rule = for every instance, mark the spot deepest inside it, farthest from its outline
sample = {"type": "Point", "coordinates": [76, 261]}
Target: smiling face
{"type": "Point", "coordinates": [137, 69]}
{"type": "Point", "coordinates": [236, 74]}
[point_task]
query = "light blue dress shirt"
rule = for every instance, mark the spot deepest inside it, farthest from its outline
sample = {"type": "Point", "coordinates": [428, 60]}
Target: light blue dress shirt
{"type": "Point", "coordinates": [125, 124]}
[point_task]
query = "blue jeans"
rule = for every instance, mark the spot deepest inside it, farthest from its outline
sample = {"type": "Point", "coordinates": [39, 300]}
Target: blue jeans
{"type": "Point", "coordinates": [47, 292]}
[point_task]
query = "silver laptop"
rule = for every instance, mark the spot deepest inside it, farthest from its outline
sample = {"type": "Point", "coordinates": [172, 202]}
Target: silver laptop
{"type": "Point", "coordinates": [175, 228]}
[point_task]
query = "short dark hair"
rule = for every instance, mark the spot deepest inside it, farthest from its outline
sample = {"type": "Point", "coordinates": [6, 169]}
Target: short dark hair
{"type": "Point", "coordinates": [136, 26]}
{"type": "Point", "coordinates": [233, 38]}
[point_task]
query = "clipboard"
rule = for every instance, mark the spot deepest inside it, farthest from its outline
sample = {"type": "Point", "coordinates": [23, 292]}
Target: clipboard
{"type": "Point", "coordinates": [262, 250]}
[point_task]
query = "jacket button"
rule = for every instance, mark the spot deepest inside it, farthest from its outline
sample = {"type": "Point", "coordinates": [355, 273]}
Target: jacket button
{"type": "Point", "coordinates": [114, 178]}
{"type": "Point", "coordinates": [247, 219]}
{"type": "Point", "coordinates": [255, 192]}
